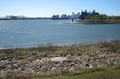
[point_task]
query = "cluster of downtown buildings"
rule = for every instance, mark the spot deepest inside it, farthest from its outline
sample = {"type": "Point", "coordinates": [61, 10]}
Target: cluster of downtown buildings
{"type": "Point", "coordinates": [79, 15]}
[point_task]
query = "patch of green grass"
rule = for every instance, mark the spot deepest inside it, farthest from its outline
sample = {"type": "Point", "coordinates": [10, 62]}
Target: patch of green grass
{"type": "Point", "coordinates": [108, 74]}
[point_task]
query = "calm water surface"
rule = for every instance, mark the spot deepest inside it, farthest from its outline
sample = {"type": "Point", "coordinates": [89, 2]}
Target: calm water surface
{"type": "Point", "coordinates": [30, 33]}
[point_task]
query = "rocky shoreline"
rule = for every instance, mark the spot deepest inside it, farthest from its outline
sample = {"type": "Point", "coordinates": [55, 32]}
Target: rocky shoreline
{"type": "Point", "coordinates": [60, 58]}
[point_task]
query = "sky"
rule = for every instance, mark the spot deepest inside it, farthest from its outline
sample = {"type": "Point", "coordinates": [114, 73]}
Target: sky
{"type": "Point", "coordinates": [47, 8]}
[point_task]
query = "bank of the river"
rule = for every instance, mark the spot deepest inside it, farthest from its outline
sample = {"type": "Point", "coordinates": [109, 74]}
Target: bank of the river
{"type": "Point", "coordinates": [96, 22]}
{"type": "Point", "coordinates": [26, 63]}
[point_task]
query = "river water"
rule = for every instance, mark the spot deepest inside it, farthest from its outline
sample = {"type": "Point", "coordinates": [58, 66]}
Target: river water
{"type": "Point", "coordinates": [30, 33]}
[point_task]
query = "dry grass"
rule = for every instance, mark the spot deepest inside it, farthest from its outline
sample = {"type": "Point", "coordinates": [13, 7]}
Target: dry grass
{"type": "Point", "coordinates": [44, 51]}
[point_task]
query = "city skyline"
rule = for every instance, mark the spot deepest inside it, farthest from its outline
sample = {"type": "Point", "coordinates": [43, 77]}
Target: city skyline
{"type": "Point", "coordinates": [47, 8]}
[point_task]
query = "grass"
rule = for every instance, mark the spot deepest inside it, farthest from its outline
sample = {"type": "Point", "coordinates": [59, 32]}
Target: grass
{"type": "Point", "coordinates": [45, 51]}
{"type": "Point", "coordinates": [108, 74]}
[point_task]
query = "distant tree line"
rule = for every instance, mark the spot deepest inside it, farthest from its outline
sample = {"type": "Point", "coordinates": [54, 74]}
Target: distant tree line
{"type": "Point", "coordinates": [102, 17]}
{"type": "Point", "coordinates": [97, 16]}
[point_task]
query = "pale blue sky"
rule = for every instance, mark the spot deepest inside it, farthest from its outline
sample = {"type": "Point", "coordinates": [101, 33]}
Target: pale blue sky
{"type": "Point", "coordinates": [46, 8]}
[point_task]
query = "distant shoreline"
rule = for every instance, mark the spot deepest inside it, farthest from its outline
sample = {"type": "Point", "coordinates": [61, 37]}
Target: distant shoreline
{"type": "Point", "coordinates": [81, 22]}
{"type": "Point", "coordinates": [35, 19]}
{"type": "Point", "coordinates": [27, 19]}
{"type": "Point", "coordinates": [96, 22]}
